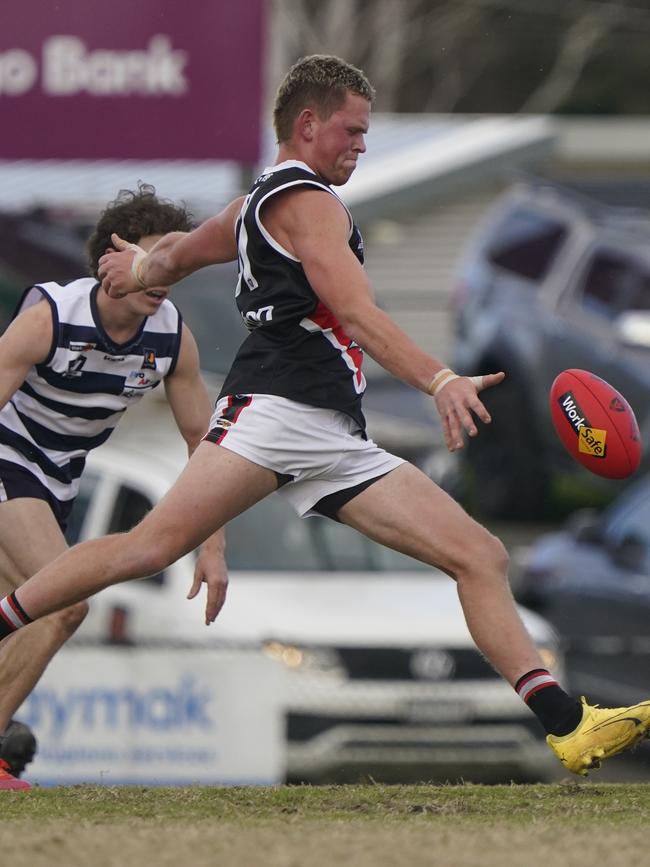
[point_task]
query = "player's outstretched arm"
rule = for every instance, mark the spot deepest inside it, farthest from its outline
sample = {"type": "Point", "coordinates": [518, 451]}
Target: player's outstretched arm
{"type": "Point", "coordinates": [127, 268]}
{"type": "Point", "coordinates": [315, 227]}
{"type": "Point", "coordinates": [190, 404]}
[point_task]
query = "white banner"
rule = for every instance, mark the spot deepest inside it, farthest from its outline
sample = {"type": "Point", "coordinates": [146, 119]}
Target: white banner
{"type": "Point", "coordinates": [146, 716]}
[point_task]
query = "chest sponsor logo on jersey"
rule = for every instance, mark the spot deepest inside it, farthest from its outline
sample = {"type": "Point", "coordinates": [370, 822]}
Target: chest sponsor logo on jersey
{"type": "Point", "coordinates": [149, 360]}
{"type": "Point", "coordinates": [114, 357]}
{"type": "Point", "coordinates": [79, 346]}
{"type": "Point", "coordinates": [137, 379]}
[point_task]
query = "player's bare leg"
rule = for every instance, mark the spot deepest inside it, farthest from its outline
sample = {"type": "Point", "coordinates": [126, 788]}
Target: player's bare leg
{"type": "Point", "coordinates": [215, 486]}
{"type": "Point", "coordinates": [30, 538]}
{"type": "Point", "coordinates": [406, 511]}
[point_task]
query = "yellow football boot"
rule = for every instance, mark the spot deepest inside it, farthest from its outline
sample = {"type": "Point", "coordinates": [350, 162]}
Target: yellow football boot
{"type": "Point", "coordinates": [603, 732]}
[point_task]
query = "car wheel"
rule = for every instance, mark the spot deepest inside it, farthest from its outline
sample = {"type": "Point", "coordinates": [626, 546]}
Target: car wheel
{"type": "Point", "coordinates": [504, 464]}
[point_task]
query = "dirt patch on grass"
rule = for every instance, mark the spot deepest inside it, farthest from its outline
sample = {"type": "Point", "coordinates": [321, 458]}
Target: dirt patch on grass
{"type": "Point", "coordinates": [288, 842]}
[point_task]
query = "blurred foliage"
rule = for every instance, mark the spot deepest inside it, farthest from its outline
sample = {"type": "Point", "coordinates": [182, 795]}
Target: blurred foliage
{"type": "Point", "coordinates": [562, 56]}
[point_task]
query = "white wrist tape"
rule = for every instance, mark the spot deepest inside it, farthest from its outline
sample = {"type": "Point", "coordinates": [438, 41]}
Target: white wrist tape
{"type": "Point", "coordinates": [445, 376]}
{"type": "Point", "coordinates": [136, 268]}
{"type": "Point", "coordinates": [440, 380]}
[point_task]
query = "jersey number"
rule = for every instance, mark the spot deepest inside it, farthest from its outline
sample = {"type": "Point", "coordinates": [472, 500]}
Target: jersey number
{"type": "Point", "coordinates": [254, 318]}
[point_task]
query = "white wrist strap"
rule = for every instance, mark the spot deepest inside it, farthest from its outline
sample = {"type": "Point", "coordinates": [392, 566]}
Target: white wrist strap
{"type": "Point", "coordinates": [440, 380]}
{"type": "Point", "coordinates": [445, 376]}
{"type": "Point", "coordinates": [136, 268]}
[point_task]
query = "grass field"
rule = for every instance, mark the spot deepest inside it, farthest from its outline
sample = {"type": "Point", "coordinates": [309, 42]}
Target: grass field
{"type": "Point", "coordinates": [551, 825]}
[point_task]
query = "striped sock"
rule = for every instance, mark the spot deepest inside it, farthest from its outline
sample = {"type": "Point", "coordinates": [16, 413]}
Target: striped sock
{"type": "Point", "coordinates": [12, 615]}
{"type": "Point", "coordinates": [558, 712]}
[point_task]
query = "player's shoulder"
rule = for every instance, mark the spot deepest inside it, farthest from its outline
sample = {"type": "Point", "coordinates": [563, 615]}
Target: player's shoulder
{"type": "Point", "coordinates": [290, 173]}
{"type": "Point", "coordinates": [72, 289]}
{"type": "Point", "coordinates": [48, 296]}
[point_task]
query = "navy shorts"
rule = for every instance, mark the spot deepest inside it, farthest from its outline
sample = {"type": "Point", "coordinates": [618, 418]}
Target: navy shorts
{"type": "Point", "coordinates": [17, 482]}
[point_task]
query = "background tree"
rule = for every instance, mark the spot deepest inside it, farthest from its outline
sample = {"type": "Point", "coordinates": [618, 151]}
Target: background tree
{"type": "Point", "coordinates": [562, 56]}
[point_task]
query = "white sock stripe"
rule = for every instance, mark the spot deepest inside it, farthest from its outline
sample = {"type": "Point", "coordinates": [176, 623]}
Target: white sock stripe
{"type": "Point", "coordinates": [530, 685]}
{"type": "Point", "coordinates": [10, 614]}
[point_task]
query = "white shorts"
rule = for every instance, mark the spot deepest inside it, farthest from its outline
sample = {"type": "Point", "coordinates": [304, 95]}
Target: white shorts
{"type": "Point", "coordinates": [316, 452]}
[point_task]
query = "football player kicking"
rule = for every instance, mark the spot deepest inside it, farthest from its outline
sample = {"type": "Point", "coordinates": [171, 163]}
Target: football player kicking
{"type": "Point", "coordinates": [289, 417]}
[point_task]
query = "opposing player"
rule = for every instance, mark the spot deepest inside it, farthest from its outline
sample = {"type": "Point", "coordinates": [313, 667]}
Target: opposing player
{"type": "Point", "coordinates": [72, 362]}
{"type": "Point", "coordinates": [289, 416]}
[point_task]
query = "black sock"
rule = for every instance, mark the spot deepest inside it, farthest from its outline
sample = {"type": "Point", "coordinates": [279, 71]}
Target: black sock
{"type": "Point", "coordinates": [557, 711]}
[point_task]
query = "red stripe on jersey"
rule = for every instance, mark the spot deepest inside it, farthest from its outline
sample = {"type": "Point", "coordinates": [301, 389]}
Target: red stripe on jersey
{"type": "Point", "coordinates": [326, 320]}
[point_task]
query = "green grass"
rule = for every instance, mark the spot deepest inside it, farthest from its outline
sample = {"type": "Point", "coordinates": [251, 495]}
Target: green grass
{"type": "Point", "coordinates": [564, 825]}
{"type": "Point", "coordinates": [583, 802]}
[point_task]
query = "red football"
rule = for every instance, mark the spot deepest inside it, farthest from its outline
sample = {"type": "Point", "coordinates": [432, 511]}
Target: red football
{"type": "Point", "coordinates": [595, 423]}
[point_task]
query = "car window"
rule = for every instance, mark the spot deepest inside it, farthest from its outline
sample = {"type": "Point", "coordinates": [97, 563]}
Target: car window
{"type": "Point", "coordinates": [88, 485]}
{"type": "Point", "coordinates": [631, 518]}
{"type": "Point", "coordinates": [640, 296]}
{"type": "Point", "coordinates": [129, 508]}
{"type": "Point", "coordinates": [607, 284]}
{"type": "Point", "coordinates": [271, 537]}
{"type": "Point", "coordinates": [526, 243]}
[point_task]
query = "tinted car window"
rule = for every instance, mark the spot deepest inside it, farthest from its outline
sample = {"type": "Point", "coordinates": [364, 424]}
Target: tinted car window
{"type": "Point", "coordinates": [527, 243]}
{"type": "Point", "coordinates": [640, 299]}
{"type": "Point", "coordinates": [607, 284]}
{"type": "Point", "coordinates": [632, 520]}
{"type": "Point", "coordinates": [89, 482]}
{"type": "Point", "coordinates": [130, 507]}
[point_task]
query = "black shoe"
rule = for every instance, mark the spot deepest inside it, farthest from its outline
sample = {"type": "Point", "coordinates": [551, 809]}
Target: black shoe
{"type": "Point", "coordinates": [17, 747]}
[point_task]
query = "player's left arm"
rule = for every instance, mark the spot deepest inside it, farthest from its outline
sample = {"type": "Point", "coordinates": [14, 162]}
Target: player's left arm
{"type": "Point", "coordinates": [191, 407]}
{"type": "Point", "coordinates": [318, 228]}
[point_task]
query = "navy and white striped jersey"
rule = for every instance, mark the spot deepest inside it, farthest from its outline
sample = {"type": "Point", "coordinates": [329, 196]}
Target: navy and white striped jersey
{"type": "Point", "coordinates": [296, 347]}
{"type": "Point", "coordinates": [71, 402]}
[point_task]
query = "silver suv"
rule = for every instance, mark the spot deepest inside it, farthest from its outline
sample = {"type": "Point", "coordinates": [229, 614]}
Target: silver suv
{"type": "Point", "coordinates": [550, 281]}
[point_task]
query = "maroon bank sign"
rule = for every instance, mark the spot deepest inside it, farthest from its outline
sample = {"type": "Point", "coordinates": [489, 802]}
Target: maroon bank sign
{"type": "Point", "coordinates": [131, 79]}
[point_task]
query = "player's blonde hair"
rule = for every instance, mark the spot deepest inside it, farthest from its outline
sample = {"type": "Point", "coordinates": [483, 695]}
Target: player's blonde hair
{"type": "Point", "coordinates": [321, 81]}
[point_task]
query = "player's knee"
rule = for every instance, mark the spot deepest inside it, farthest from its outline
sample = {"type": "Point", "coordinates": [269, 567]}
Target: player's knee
{"type": "Point", "coordinates": [496, 553]}
{"type": "Point", "coordinates": [484, 556]}
{"type": "Point", "coordinates": [70, 619]}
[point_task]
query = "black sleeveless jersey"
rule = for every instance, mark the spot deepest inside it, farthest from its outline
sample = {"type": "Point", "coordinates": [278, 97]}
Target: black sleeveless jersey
{"type": "Point", "coordinates": [296, 348]}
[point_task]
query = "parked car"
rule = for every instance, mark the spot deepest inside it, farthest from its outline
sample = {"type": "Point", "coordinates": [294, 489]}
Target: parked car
{"type": "Point", "coordinates": [385, 679]}
{"type": "Point", "coordinates": [592, 581]}
{"type": "Point", "coordinates": [550, 281]}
